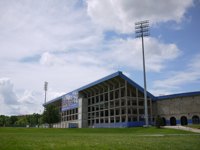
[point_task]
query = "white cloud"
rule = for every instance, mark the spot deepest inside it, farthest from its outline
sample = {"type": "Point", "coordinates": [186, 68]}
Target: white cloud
{"type": "Point", "coordinates": [30, 27]}
{"type": "Point", "coordinates": [8, 98]}
{"type": "Point", "coordinates": [121, 15]}
{"type": "Point", "coordinates": [7, 92]}
{"type": "Point", "coordinates": [177, 79]}
{"type": "Point", "coordinates": [49, 59]}
{"type": "Point", "coordinates": [128, 53]}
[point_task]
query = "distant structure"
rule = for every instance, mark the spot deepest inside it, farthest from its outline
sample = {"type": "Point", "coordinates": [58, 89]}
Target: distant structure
{"type": "Point", "coordinates": [116, 101]}
{"type": "Point", "coordinates": [45, 91]}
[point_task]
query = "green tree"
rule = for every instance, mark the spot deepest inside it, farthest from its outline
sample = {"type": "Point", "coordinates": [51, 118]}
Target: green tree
{"type": "Point", "coordinates": [13, 120]}
{"type": "Point", "coordinates": [159, 122]}
{"type": "Point", "coordinates": [7, 121]}
{"type": "Point", "coordinates": [2, 120]}
{"type": "Point", "coordinates": [51, 115]}
{"type": "Point", "coordinates": [33, 119]}
{"type": "Point", "coordinates": [22, 121]}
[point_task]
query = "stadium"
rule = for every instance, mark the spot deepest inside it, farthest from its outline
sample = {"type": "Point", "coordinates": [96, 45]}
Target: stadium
{"type": "Point", "coordinates": [116, 101]}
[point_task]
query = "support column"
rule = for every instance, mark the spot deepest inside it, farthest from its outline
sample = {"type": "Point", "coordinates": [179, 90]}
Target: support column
{"type": "Point", "coordinates": [137, 101]}
{"type": "Point", "coordinates": [151, 111]}
{"type": "Point", "coordinates": [108, 104]}
{"type": "Point", "coordinates": [120, 98]}
{"type": "Point", "coordinates": [104, 114]}
{"type": "Point", "coordinates": [126, 100]}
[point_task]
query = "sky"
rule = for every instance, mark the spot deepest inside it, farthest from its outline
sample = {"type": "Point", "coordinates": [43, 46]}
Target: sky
{"type": "Point", "coordinates": [70, 43]}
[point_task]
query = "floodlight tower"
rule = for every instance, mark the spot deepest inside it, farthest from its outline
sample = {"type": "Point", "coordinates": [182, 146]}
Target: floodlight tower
{"type": "Point", "coordinates": [142, 30]}
{"type": "Point", "coordinates": [45, 91]}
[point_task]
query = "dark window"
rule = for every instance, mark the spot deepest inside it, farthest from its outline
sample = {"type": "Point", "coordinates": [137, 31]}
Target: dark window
{"type": "Point", "coordinates": [141, 111]}
{"type": "Point", "coordinates": [92, 100]}
{"type": "Point", "coordinates": [123, 119]}
{"type": "Point", "coordinates": [111, 104]}
{"type": "Point", "coordinates": [112, 112]}
{"type": "Point", "coordinates": [89, 102]}
{"type": "Point", "coordinates": [97, 99]}
{"type": "Point", "coordinates": [141, 103]}
{"type": "Point", "coordinates": [102, 114]}
{"type": "Point", "coordinates": [106, 96]}
{"type": "Point", "coordinates": [122, 102]}
{"type": "Point", "coordinates": [117, 119]}
{"type": "Point", "coordinates": [134, 102]}
{"type": "Point", "coordinates": [112, 119]}
{"type": "Point", "coordinates": [116, 94]}
{"type": "Point", "coordinates": [111, 95]}
{"type": "Point", "coordinates": [97, 114]}
{"type": "Point", "coordinates": [122, 92]}
{"type": "Point", "coordinates": [117, 112]}
{"type": "Point", "coordinates": [106, 113]}
{"type": "Point", "coordinates": [123, 111]}
{"type": "Point", "coordinates": [116, 103]}
{"type": "Point", "coordinates": [101, 98]}
{"type": "Point", "coordinates": [129, 111]}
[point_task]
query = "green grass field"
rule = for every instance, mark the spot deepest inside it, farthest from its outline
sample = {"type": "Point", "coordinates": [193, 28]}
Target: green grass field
{"type": "Point", "coordinates": [195, 126]}
{"type": "Point", "coordinates": [97, 139]}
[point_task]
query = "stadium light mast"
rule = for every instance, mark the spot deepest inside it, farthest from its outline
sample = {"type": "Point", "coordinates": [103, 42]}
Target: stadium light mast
{"type": "Point", "coordinates": [142, 30]}
{"type": "Point", "coordinates": [45, 91]}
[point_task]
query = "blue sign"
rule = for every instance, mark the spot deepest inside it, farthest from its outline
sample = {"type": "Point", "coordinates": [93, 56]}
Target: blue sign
{"type": "Point", "coordinates": [70, 101]}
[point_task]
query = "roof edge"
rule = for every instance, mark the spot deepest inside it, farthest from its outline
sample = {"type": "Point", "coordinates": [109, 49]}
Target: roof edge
{"type": "Point", "coordinates": [87, 86]}
{"type": "Point", "coordinates": [177, 95]}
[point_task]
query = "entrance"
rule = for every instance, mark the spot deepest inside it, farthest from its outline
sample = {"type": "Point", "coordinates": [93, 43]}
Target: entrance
{"type": "Point", "coordinates": [184, 120]}
{"type": "Point", "coordinates": [195, 120]}
{"type": "Point", "coordinates": [172, 121]}
{"type": "Point", "coordinates": [163, 121]}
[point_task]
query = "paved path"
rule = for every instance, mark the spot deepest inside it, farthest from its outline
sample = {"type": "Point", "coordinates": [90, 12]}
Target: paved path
{"type": "Point", "coordinates": [183, 128]}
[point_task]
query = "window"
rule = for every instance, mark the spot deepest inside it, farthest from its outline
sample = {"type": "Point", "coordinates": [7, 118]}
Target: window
{"type": "Point", "coordinates": [112, 112]}
{"type": "Point", "coordinates": [111, 95]}
{"type": "Point", "coordinates": [122, 92]}
{"type": "Point", "coordinates": [116, 94]}
{"type": "Point", "coordinates": [106, 96]}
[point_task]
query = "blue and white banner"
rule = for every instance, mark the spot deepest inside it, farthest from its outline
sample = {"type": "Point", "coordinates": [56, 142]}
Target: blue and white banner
{"type": "Point", "coordinates": [70, 101]}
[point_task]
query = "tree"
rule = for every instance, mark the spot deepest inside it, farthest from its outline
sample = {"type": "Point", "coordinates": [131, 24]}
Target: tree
{"type": "Point", "coordinates": [2, 120]}
{"type": "Point", "coordinates": [159, 122]}
{"type": "Point", "coordinates": [33, 119]}
{"type": "Point", "coordinates": [7, 121]}
{"type": "Point", "coordinates": [13, 120]}
{"type": "Point", "coordinates": [22, 121]}
{"type": "Point", "coordinates": [51, 115]}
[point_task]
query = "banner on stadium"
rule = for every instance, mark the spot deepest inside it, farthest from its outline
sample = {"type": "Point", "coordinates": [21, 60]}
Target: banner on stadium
{"type": "Point", "coordinates": [70, 101]}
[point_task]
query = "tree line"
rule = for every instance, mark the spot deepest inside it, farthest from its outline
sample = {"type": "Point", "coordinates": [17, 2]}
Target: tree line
{"type": "Point", "coordinates": [21, 120]}
{"type": "Point", "coordinates": [50, 115]}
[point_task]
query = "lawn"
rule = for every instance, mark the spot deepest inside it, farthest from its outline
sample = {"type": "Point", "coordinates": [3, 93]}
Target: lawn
{"type": "Point", "coordinates": [196, 126]}
{"type": "Point", "coordinates": [97, 139]}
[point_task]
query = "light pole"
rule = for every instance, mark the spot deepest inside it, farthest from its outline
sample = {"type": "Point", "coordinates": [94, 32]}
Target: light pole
{"type": "Point", "coordinates": [142, 30]}
{"type": "Point", "coordinates": [45, 91]}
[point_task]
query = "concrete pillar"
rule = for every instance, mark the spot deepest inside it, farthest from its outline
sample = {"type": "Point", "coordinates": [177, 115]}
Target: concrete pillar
{"type": "Point", "coordinates": [126, 99]}
{"type": "Point", "coordinates": [137, 105]}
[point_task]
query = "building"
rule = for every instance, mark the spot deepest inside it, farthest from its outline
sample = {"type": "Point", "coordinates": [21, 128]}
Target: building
{"type": "Point", "coordinates": [117, 101]}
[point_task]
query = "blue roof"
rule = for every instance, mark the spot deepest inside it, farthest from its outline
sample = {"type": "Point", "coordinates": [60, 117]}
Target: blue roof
{"type": "Point", "coordinates": [120, 74]}
{"type": "Point", "coordinates": [87, 86]}
{"type": "Point", "coordinates": [177, 95]}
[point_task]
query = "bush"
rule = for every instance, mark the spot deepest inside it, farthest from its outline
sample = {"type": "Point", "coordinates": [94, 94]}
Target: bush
{"type": "Point", "coordinates": [159, 122]}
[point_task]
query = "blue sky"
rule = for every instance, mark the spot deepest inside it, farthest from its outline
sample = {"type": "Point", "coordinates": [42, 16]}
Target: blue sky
{"type": "Point", "coordinates": [72, 43]}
